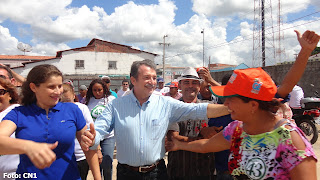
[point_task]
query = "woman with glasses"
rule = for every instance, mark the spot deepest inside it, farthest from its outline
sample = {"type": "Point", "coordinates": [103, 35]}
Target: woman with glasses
{"type": "Point", "coordinates": [45, 129]}
{"type": "Point", "coordinates": [8, 100]}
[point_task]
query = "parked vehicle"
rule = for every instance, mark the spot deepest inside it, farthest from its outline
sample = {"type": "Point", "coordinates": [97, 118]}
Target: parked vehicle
{"type": "Point", "coordinates": [306, 116]}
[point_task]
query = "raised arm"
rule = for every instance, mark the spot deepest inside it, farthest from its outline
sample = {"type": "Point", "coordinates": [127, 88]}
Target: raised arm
{"type": "Point", "coordinates": [308, 41]}
{"type": "Point", "coordinates": [205, 74]}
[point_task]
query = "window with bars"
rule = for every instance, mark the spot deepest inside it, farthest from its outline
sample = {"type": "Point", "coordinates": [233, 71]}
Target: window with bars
{"type": "Point", "coordinates": [79, 64]}
{"type": "Point", "coordinates": [112, 65]}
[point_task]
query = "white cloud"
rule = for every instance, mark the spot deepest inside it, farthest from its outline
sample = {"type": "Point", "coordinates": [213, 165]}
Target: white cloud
{"type": "Point", "coordinates": [139, 23]}
{"type": "Point", "coordinates": [32, 11]}
{"type": "Point", "coordinates": [52, 24]}
{"type": "Point", "coordinates": [8, 44]}
{"type": "Point", "coordinates": [48, 49]}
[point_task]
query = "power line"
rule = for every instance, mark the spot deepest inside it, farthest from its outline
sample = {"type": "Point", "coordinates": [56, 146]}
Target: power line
{"type": "Point", "coordinates": [245, 38]}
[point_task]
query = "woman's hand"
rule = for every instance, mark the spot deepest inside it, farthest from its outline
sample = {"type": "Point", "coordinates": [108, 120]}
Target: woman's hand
{"type": "Point", "coordinates": [41, 154]}
{"type": "Point", "coordinates": [172, 145]}
{"type": "Point", "coordinates": [309, 39]}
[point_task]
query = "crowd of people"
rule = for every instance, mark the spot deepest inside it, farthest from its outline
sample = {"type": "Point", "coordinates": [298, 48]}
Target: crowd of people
{"type": "Point", "coordinates": [236, 129]}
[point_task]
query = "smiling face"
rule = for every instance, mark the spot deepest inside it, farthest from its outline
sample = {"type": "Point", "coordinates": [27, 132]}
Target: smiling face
{"type": "Point", "coordinates": [189, 89]}
{"type": "Point", "coordinates": [125, 86]}
{"type": "Point", "coordinates": [4, 99]}
{"type": "Point", "coordinates": [146, 82]}
{"type": "Point", "coordinates": [204, 90]}
{"type": "Point", "coordinates": [238, 109]}
{"type": "Point", "coordinates": [49, 92]}
{"type": "Point", "coordinates": [97, 91]}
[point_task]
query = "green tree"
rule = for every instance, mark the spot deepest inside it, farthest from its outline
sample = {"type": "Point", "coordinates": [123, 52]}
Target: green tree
{"type": "Point", "coordinates": [315, 51]}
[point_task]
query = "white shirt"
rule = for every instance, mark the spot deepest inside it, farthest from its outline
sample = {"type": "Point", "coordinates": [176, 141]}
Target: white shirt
{"type": "Point", "coordinates": [295, 97]}
{"type": "Point", "coordinates": [8, 163]}
{"type": "Point", "coordinates": [121, 92]}
{"type": "Point", "coordinates": [96, 106]}
{"type": "Point", "coordinates": [163, 90]}
{"type": "Point", "coordinates": [87, 116]}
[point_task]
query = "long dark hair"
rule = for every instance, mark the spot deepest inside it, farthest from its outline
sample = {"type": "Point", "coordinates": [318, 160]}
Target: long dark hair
{"type": "Point", "coordinates": [38, 74]}
{"type": "Point", "coordinates": [11, 89]}
{"type": "Point", "coordinates": [271, 106]}
{"type": "Point", "coordinates": [106, 91]}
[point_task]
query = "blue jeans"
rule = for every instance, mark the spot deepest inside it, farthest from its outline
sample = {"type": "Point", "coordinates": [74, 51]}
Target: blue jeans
{"type": "Point", "coordinates": [107, 148]}
{"type": "Point", "coordinates": [159, 173]}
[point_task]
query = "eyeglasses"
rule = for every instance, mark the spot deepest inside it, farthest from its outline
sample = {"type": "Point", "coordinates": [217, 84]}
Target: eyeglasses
{"type": "Point", "coordinates": [3, 91]}
{"type": "Point", "coordinates": [125, 84]}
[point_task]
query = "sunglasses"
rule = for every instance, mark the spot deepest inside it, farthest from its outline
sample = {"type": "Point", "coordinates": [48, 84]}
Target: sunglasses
{"type": "Point", "coordinates": [3, 91]}
{"type": "Point", "coordinates": [125, 84]}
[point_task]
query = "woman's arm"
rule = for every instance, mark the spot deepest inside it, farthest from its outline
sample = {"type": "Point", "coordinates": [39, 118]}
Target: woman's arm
{"type": "Point", "coordinates": [308, 41]}
{"type": "Point", "coordinates": [40, 154]}
{"type": "Point", "coordinates": [305, 170]}
{"type": "Point", "coordinates": [214, 144]}
{"type": "Point", "coordinates": [91, 156]}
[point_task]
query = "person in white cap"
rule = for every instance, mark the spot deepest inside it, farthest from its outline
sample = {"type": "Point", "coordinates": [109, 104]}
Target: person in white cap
{"type": "Point", "coordinates": [107, 80]}
{"type": "Point", "coordinates": [186, 164]}
{"type": "Point", "coordinates": [140, 121]}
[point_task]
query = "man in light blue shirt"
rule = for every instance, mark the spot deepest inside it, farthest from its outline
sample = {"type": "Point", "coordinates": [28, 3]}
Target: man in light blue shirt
{"type": "Point", "coordinates": [140, 121]}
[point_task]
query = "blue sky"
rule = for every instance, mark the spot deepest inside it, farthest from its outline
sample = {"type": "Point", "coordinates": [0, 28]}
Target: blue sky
{"type": "Point", "coordinates": [50, 26]}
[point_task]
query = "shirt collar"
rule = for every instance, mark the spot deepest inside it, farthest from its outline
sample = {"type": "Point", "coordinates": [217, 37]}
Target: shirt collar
{"type": "Point", "coordinates": [134, 98]}
{"type": "Point", "coordinates": [57, 107]}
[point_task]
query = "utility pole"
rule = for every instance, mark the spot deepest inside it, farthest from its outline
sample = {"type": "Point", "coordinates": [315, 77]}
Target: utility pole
{"type": "Point", "coordinates": [263, 35]}
{"type": "Point", "coordinates": [164, 52]}
{"type": "Point", "coordinates": [202, 47]}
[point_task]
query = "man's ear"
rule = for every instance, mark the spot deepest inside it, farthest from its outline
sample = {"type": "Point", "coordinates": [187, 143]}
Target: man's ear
{"type": "Point", "coordinates": [13, 81]}
{"type": "Point", "coordinates": [133, 80]}
{"type": "Point", "coordinates": [32, 87]}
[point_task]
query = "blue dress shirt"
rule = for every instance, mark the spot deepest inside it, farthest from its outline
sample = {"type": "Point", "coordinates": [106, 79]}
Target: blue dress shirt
{"type": "Point", "coordinates": [140, 130]}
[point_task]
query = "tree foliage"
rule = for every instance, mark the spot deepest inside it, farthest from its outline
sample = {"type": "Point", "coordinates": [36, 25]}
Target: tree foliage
{"type": "Point", "coordinates": [315, 51]}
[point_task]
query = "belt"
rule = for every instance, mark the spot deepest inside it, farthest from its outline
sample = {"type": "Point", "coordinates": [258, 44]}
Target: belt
{"type": "Point", "coordinates": [223, 172]}
{"type": "Point", "coordinates": [143, 169]}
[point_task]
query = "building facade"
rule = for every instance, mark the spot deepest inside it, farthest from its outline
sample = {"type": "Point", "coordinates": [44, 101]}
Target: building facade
{"type": "Point", "coordinates": [98, 58]}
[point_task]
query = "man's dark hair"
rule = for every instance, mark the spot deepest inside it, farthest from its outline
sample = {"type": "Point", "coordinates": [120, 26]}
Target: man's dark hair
{"type": "Point", "coordinates": [125, 80]}
{"type": "Point", "coordinates": [136, 65]}
{"type": "Point", "coordinates": [8, 70]}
